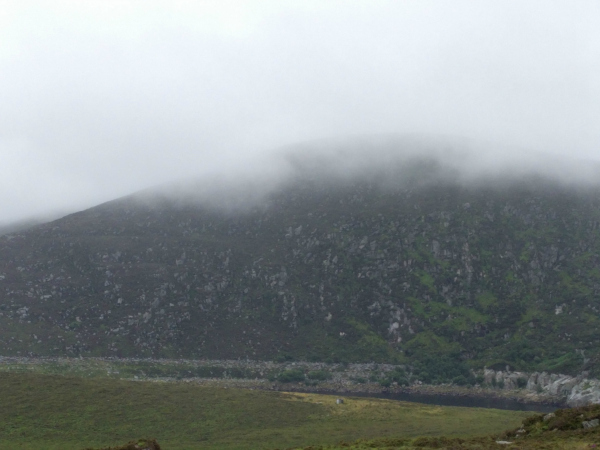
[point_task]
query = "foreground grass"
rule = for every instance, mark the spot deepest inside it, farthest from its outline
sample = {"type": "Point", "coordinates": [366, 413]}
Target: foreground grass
{"type": "Point", "coordinates": [564, 441]}
{"type": "Point", "coordinates": [562, 430]}
{"type": "Point", "coordinates": [57, 412]}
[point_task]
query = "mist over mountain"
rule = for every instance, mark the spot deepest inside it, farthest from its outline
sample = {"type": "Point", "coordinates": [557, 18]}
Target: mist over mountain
{"type": "Point", "coordinates": [20, 225]}
{"type": "Point", "coordinates": [16, 226]}
{"type": "Point", "coordinates": [390, 161]}
{"type": "Point", "coordinates": [366, 249]}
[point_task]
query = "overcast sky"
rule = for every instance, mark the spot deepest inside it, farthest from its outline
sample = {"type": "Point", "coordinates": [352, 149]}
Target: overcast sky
{"type": "Point", "coordinates": [101, 98]}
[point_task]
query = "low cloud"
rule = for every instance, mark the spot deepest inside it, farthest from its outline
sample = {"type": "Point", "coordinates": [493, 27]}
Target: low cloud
{"type": "Point", "coordinates": [103, 98]}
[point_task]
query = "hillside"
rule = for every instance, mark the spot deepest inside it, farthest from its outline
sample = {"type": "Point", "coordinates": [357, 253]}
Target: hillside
{"type": "Point", "coordinates": [402, 262]}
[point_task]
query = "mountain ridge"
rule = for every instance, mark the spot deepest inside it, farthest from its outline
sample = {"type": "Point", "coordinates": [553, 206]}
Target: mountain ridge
{"type": "Point", "coordinates": [403, 262]}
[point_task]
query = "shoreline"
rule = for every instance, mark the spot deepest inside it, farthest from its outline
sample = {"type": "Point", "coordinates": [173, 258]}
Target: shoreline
{"type": "Point", "coordinates": [421, 392]}
{"type": "Point", "coordinates": [342, 381]}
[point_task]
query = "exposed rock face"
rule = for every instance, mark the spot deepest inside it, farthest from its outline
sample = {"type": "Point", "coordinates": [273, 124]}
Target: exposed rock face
{"type": "Point", "coordinates": [574, 390]}
{"type": "Point", "coordinates": [366, 269]}
{"type": "Point", "coordinates": [590, 423]}
{"type": "Point", "coordinates": [586, 392]}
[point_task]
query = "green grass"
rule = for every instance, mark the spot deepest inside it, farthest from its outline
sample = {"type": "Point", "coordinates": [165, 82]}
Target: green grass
{"type": "Point", "coordinates": [564, 429]}
{"type": "Point", "coordinates": [125, 369]}
{"type": "Point", "coordinates": [57, 412]}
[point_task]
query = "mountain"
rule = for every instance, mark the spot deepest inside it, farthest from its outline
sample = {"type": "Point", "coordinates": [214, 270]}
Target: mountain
{"type": "Point", "coordinates": [393, 256]}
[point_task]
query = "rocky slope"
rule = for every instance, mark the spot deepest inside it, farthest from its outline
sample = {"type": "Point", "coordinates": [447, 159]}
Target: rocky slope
{"type": "Point", "coordinates": [406, 262]}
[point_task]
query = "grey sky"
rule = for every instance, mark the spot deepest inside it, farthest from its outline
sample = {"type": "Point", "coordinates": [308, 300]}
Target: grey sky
{"type": "Point", "coordinates": [105, 97]}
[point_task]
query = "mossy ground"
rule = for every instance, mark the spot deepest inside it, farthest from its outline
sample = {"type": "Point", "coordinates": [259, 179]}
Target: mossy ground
{"type": "Point", "coordinates": [561, 430]}
{"type": "Point", "coordinates": [561, 441]}
{"type": "Point", "coordinates": [56, 412]}
{"type": "Point", "coordinates": [136, 444]}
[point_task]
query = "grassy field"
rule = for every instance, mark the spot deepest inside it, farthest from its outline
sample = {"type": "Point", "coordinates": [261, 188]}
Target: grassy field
{"type": "Point", "coordinates": [562, 430]}
{"type": "Point", "coordinates": [125, 369]}
{"type": "Point", "coordinates": [561, 442]}
{"type": "Point", "coordinates": [56, 412]}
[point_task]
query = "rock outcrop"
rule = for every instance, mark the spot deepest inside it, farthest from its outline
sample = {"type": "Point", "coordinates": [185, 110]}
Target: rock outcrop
{"type": "Point", "coordinates": [573, 390]}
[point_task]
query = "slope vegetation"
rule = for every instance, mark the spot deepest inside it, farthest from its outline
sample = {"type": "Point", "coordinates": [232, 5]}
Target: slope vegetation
{"type": "Point", "coordinates": [405, 263]}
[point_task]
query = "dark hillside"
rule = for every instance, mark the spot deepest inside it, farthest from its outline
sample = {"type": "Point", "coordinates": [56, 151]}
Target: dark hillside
{"type": "Point", "coordinates": [405, 262]}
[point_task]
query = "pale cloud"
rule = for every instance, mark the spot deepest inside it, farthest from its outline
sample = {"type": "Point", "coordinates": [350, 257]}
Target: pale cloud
{"type": "Point", "coordinates": [101, 98]}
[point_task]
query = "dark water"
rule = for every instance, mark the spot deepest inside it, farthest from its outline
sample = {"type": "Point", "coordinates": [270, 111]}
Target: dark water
{"type": "Point", "coordinates": [453, 400]}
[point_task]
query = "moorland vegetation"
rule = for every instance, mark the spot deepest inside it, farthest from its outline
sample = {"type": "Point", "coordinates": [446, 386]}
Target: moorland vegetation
{"type": "Point", "coordinates": [60, 412]}
{"type": "Point", "coordinates": [379, 268]}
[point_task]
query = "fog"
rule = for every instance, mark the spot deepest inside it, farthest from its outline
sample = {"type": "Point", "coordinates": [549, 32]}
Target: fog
{"type": "Point", "coordinates": [102, 98]}
{"type": "Point", "coordinates": [384, 161]}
